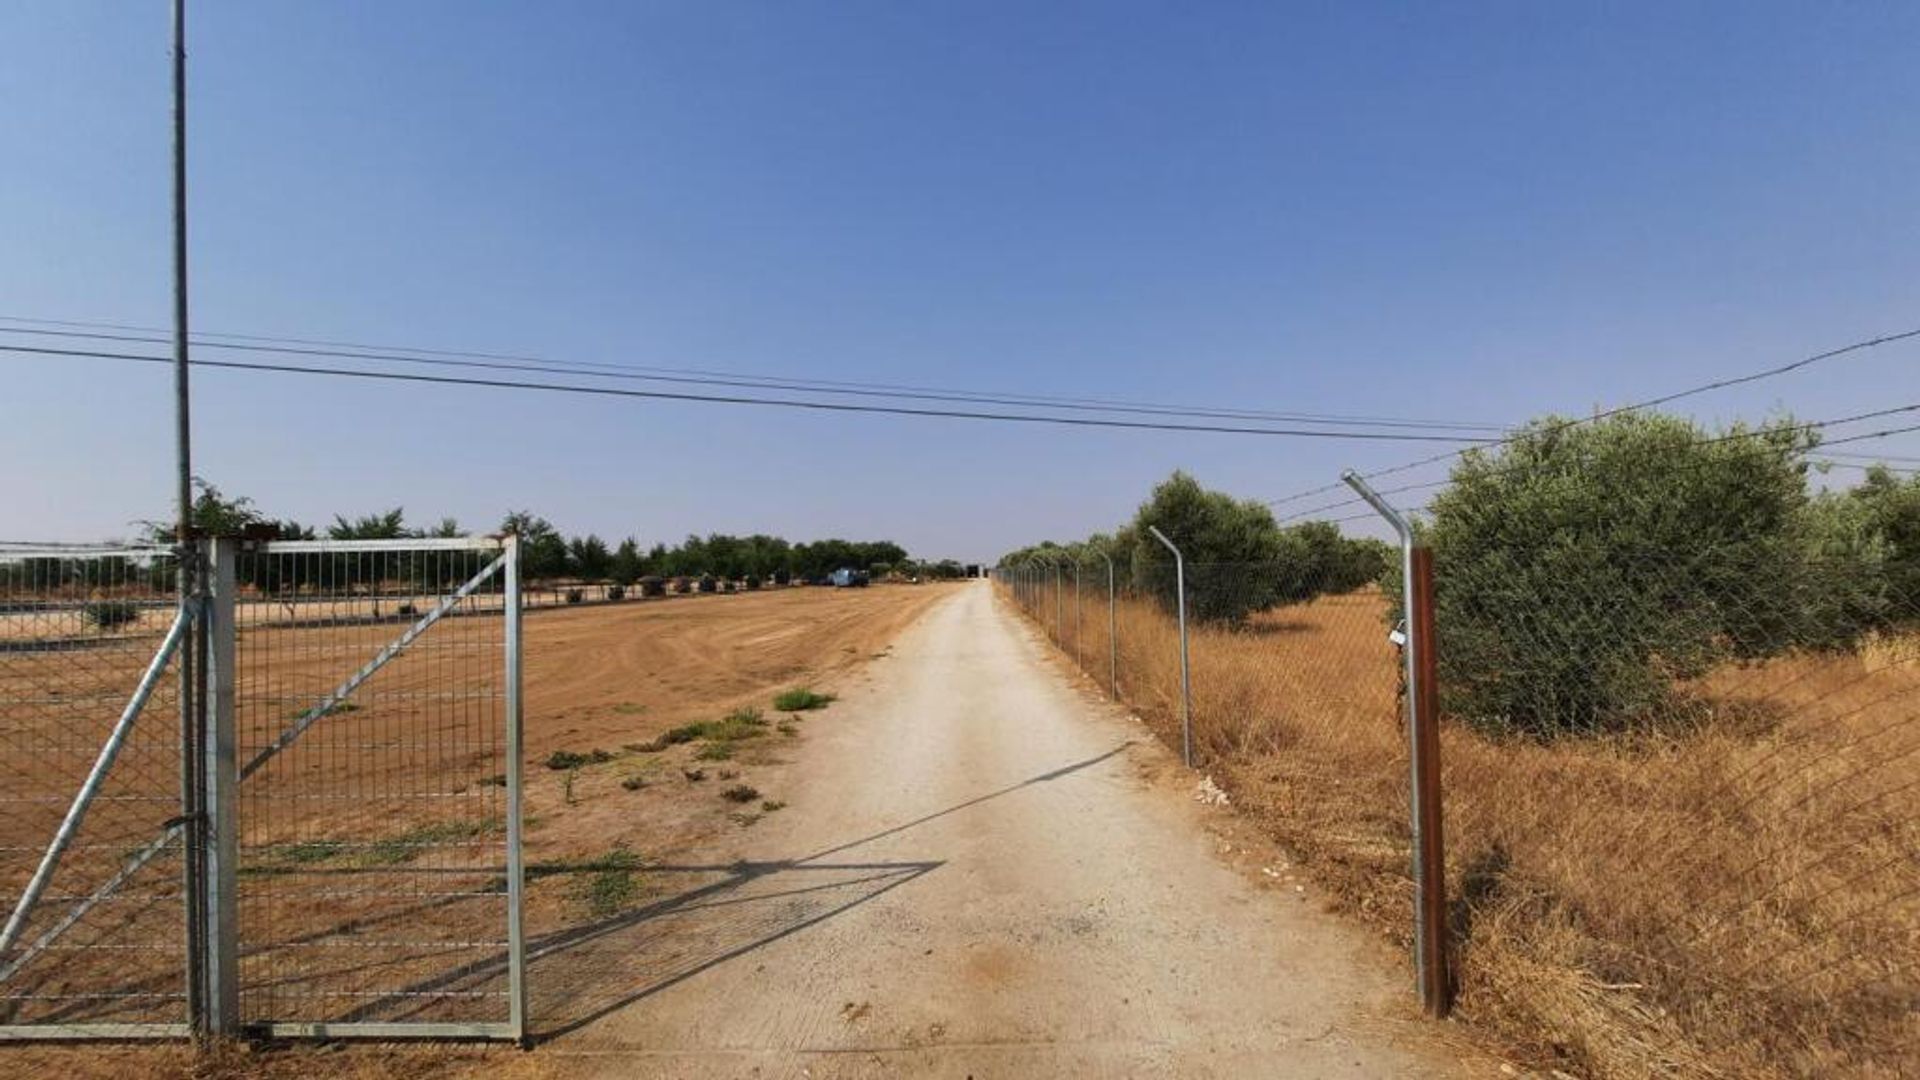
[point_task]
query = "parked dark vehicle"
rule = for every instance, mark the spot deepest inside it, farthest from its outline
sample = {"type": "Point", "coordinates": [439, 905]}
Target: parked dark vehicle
{"type": "Point", "coordinates": [653, 586]}
{"type": "Point", "coordinates": [845, 578]}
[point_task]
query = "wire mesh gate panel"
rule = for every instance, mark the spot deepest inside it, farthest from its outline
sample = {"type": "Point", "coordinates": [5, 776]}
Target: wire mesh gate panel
{"type": "Point", "coordinates": [91, 844]}
{"type": "Point", "coordinates": [375, 712]}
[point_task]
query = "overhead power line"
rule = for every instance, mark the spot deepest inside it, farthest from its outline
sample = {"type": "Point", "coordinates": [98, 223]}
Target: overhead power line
{"type": "Point", "coordinates": [788, 403]}
{"type": "Point", "coordinates": [1717, 384]}
{"type": "Point", "coordinates": [1730, 436]}
{"type": "Point", "coordinates": [702, 377]}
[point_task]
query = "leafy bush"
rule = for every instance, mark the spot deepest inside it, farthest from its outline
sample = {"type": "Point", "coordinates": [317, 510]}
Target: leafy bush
{"type": "Point", "coordinates": [741, 793]}
{"type": "Point", "coordinates": [107, 614]}
{"type": "Point", "coordinates": [1581, 572]}
{"type": "Point", "coordinates": [568, 759]}
{"type": "Point", "coordinates": [1239, 559]}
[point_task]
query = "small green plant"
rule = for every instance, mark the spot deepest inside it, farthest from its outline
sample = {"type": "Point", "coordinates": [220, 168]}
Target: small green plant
{"type": "Point", "coordinates": [613, 885]}
{"type": "Point", "coordinates": [801, 699]}
{"type": "Point", "coordinates": [568, 759]}
{"type": "Point", "coordinates": [741, 793]}
{"type": "Point", "coordinates": [715, 751]}
{"type": "Point", "coordinates": [496, 780]}
{"type": "Point", "coordinates": [107, 614]}
{"type": "Point", "coordinates": [694, 776]}
{"type": "Point", "coordinates": [685, 733]}
{"type": "Point", "coordinates": [770, 805]}
{"type": "Point", "coordinates": [634, 783]}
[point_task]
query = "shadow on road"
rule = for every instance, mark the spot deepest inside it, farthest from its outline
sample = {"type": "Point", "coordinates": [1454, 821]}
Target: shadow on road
{"type": "Point", "coordinates": [579, 973]}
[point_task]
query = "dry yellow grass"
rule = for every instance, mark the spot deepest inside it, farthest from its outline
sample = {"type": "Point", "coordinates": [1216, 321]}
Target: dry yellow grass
{"type": "Point", "coordinates": [1738, 900]}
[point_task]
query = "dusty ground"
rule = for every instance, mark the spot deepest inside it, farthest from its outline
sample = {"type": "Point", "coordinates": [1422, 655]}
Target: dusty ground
{"type": "Point", "coordinates": [967, 866]}
{"type": "Point", "coordinates": [983, 871]}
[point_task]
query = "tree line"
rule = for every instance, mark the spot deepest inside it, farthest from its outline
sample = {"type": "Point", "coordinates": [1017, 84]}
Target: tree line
{"type": "Point", "coordinates": [546, 553]}
{"type": "Point", "coordinates": [1239, 558]}
{"type": "Point", "coordinates": [1587, 574]}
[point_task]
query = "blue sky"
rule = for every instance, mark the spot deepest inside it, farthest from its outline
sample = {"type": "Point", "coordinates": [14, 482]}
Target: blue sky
{"type": "Point", "coordinates": [1471, 212]}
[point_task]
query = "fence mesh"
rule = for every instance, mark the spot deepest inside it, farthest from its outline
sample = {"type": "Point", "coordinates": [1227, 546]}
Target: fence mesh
{"type": "Point", "coordinates": [372, 874]}
{"type": "Point", "coordinates": [104, 943]}
{"type": "Point", "coordinates": [1682, 800]}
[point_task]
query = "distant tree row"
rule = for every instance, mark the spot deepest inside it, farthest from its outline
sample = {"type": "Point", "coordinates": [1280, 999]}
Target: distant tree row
{"type": "Point", "coordinates": [545, 552]}
{"type": "Point", "coordinates": [1587, 574]}
{"type": "Point", "coordinates": [1239, 559]}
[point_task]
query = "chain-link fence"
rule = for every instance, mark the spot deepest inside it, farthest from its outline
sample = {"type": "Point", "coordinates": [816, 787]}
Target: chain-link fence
{"type": "Point", "coordinates": [1681, 762]}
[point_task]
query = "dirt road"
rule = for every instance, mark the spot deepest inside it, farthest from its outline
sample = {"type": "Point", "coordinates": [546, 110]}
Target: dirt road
{"type": "Point", "coordinates": [983, 871]}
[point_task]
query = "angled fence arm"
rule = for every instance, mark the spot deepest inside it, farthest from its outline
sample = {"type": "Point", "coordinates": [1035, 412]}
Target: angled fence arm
{"type": "Point", "coordinates": [1186, 682]}
{"type": "Point", "coordinates": [1423, 744]}
{"type": "Point", "coordinates": [79, 911]}
{"type": "Point", "coordinates": [97, 776]}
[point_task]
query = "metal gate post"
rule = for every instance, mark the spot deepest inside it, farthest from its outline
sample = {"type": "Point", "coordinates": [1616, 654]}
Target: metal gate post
{"type": "Point", "coordinates": [1186, 682]}
{"type": "Point", "coordinates": [1113, 635]}
{"type": "Point", "coordinates": [221, 774]}
{"type": "Point", "coordinates": [516, 884]}
{"type": "Point", "coordinates": [1423, 744]}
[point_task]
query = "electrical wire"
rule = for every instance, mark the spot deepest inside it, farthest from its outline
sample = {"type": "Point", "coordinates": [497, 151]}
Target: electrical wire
{"type": "Point", "coordinates": [696, 376]}
{"type": "Point", "coordinates": [790, 403]}
{"type": "Point", "coordinates": [1718, 384]}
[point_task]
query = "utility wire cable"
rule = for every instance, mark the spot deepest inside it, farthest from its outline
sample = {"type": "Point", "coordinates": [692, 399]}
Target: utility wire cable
{"type": "Point", "coordinates": [1717, 384]}
{"type": "Point", "coordinates": [698, 376]}
{"type": "Point", "coordinates": [790, 403]}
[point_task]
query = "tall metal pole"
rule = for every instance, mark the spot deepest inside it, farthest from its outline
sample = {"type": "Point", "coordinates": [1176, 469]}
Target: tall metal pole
{"type": "Point", "coordinates": [1186, 681]}
{"type": "Point", "coordinates": [193, 659]}
{"type": "Point", "coordinates": [1423, 745]}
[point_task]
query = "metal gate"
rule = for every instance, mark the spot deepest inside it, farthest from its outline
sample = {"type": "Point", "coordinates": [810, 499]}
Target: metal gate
{"type": "Point", "coordinates": [324, 841]}
{"type": "Point", "coordinates": [91, 794]}
{"type": "Point", "coordinates": [375, 705]}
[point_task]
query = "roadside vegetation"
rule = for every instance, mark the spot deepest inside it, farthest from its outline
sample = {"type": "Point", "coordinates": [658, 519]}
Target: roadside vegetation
{"type": "Point", "coordinates": [801, 699]}
{"type": "Point", "coordinates": [1682, 778]}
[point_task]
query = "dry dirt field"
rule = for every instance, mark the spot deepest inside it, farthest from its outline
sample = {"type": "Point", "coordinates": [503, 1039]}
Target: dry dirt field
{"type": "Point", "coordinates": [382, 824]}
{"type": "Point", "coordinates": [1736, 899]}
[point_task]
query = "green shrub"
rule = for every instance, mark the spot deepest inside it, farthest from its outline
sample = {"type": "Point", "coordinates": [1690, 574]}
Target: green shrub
{"type": "Point", "coordinates": [107, 614]}
{"type": "Point", "coordinates": [568, 759]}
{"type": "Point", "coordinates": [741, 793]}
{"type": "Point", "coordinates": [801, 699]}
{"type": "Point", "coordinates": [1581, 572]}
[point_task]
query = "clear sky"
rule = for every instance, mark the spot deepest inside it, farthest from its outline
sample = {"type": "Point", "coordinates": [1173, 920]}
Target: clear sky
{"type": "Point", "coordinates": [1465, 212]}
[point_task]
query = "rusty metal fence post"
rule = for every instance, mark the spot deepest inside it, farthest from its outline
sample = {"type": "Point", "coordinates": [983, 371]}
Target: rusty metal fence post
{"type": "Point", "coordinates": [1423, 743]}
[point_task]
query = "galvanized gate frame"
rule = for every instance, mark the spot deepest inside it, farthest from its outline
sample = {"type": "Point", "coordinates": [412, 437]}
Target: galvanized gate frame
{"type": "Point", "coordinates": [225, 774]}
{"type": "Point", "coordinates": [208, 620]}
